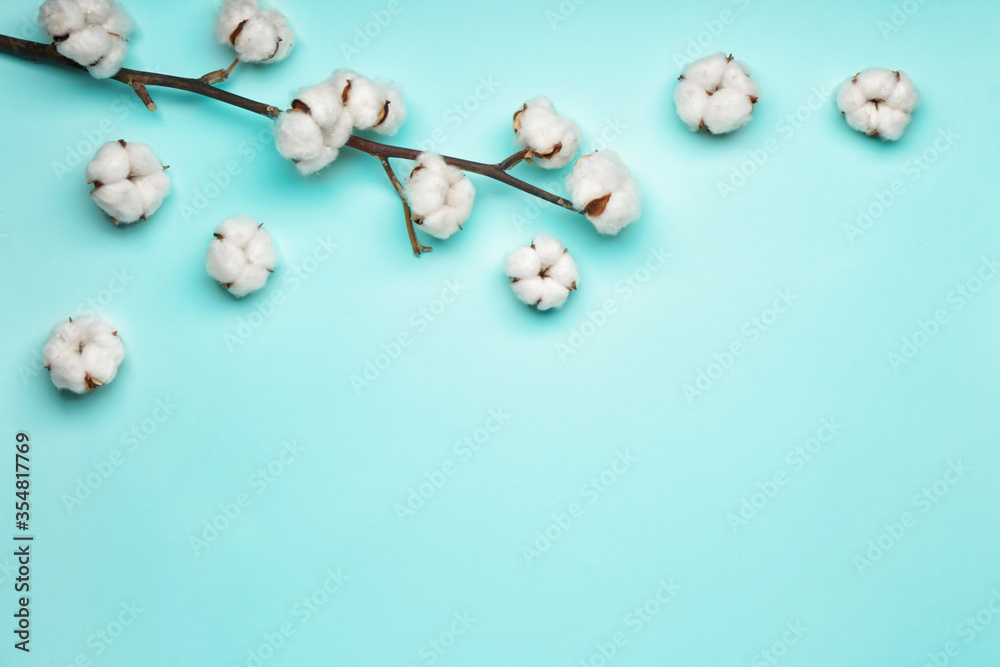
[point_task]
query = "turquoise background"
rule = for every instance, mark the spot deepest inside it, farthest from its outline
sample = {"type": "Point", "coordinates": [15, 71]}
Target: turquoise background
{"type": "Point", "coordinates": [581, 392]}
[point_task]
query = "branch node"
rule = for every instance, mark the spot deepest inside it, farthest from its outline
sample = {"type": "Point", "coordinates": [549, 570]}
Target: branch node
{"type": "Point", "coordinates": [140, 90]}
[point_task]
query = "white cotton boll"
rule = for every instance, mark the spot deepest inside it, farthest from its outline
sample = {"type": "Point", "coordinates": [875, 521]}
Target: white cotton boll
{"type": "Point", "coordinates": [876, 84]}
{"type": "Point", "coordinates": [707, 72]}
{"type": "Point", "coordinates": [238, 230]}
{"type": "Point", "coordinates": [95, 12]}
{"type": "Point", "coordinates": [83, 354]}
{"type": "Point", "coordinates": [286, 38]}
{"type": "Point", "coordinates": [365, 102]}
{"type": "Point", "coordinates": [112, 61]}
{"type": "Point", "coordinates": [86, 46]}
{"type": "Point", "coordinates": [850, 98]}
{"type": "Point", "coordinates": [690, 99]}
{"type": "Point", "coordinates": [110, 164]}
{"type": "Point", "coordinates": [323, 102]}
{"type": "Point", "coordinates": [716, 93]}
{"type": "Point", "coordinates": [904, 96]}
{"type": "Point", "coordinates": [129, 181]}
{"type": "Point", "coordinates": [727, 110]}
{"type": "Point", "coordinates": [242, 256]}
{"type": "Point", "coordinates": [548, 249]}
{"type": "Point", "coordinates": [878, 102]}
{"type": "Point", "coordinates": [564, 271]}
{"type": "Point", "coordinates": [891, 122]}
{"type": "Point", "coordinates": [153, 188]}
{"type": "Point", "coordinates": [142, 160]}
{"type": "Point", "coordinates": [542, 274]}
{"type": "Point", "coordinates": [60, 17]}
{"type": "Point", "coordinates": [122, 200]}
{"type": "Point", "coordinates": [736, 77]}
{"type": "Point", "coordinates": [116, 21]}
{"type": "Point", "coordinates": [297, 136]}
{"type": "Point", "coordinates": [327, 154]}
{"type": "Point", "coordinates": [225, 261]}
{"type": "Point", "coordinates": [394, 112]}
{"type": "Point", "coordinates": [231, 15]}
{"type": "Point", "coordinates": [624, 207]}
{"type": "Point", "coordinates": [522, 263]}
{"type": "Point", "coordinates": [439, 195]}
{"type": "Point", "coordinates": [257, 41]}
{"type": "Point", "coordinates": [602, 187]}
{"type": "Point", "coordinates": [553, 139]}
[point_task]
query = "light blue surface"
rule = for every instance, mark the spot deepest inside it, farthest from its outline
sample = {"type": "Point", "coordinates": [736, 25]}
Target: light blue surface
{"type": "Point", "coordinates": [685, 464]}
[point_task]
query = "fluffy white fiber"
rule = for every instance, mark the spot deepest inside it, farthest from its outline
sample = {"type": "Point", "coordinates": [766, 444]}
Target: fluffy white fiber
{"type": "Point", "coordinates": [440, 196]}
{"type": "Point", "coordinates": [547, 135]}
{"type": "Point", "coordinates": [92, 33]}
{"type": "Point", "coordinates": [878, 102]}
{"type": "Point", "coordinates": [322, 118]}
{"type": "Point", "coordinates": [716, 93]}
{"type": "Point", "coordinates": [129, 181]}
{"type": "Point", "coordinates": [602, 187]}
{"type": "Point", "coordinates": [83, 354]}
{"type": "Point", "coordinates": [256, 36]}
{"type": "Point", "coordinates": [542, 274]}
{"type": "Point", "coordinates": [242, 256]}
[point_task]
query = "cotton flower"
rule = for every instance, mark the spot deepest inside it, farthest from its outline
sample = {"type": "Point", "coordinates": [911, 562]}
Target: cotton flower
{"type": "Point", "coordinates": [716, 93]}
{"type": "Point", "coordinates": [878, 102]}
{"type": "Point", "coordinates": [602, 188]}
{"type": "Point", "coordinates": [542, 274]}
{"type": "Point", "coordinates": [242, 256]}
{"type": "Point", "coordinates": [440, 196]}
{"type": "Point", "coordinates": [547, 135]}
{"type": "Point", "coordinates": [256, 36]}
{"type": "Point", "coordinates": [322, 117]}
{"type": "Point", "coordinates": [373, 106]}
{"type": "Point", "coordinates": [92, 33]}
{"type": "Point", "coordinates": [83, 354]}
{"type": "Point", "coordinates": [129, 181]}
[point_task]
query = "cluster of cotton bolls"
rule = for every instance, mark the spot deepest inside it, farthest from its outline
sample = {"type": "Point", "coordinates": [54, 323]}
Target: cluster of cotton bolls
{"type": "Point", "coordinates": [256, 36]}
{"type": "Point", "coordinates": [542, 274]}
{"type": "Point", "coordinates": [440, 196]}
{"type": "Point", "coordinates": [83, 354]}
{"type": "Point", "coordinates": [129, 181]}
{"type": "Point", "coordinates": [716, 93]}
{"type": "Point", "coordinates": [547, 135]}
{"type": "Point", "coordinates": [878, 102]}
{"type": "Point", "coordinates": [242, 256]}
{"type": "Point", "coordinates": [322, 117]}
{"type": "Point", "coordinates": [92, 33]}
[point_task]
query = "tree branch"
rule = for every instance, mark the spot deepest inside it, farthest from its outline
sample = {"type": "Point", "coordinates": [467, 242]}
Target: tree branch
{"type": "Point", "coordinates": [417, 247]}
{"type": "Point", "coordinates": [139, 81]}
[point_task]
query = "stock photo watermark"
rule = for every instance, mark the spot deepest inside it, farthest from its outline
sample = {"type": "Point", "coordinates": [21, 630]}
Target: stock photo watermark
{"type": "Point", "coordinates": [750, 333]}
{"type": "Point", "coordinates": [701, 43]}
{"type": "Point", "coordinates": [230, 511]}
{"type": "Point", "coordinates": [967, 631]}
{"type": "Point", "coordinates": [436, 647]}
{"type": "Point", "coordinates": [883, 199]}
{"type": "Point", "coordinates": [623, 291]}
{"type": "Point", "coordinates": [590, 492]}
{"type": "Point", "coordinates": [796, 460]}
{"type": "Point", "coordinates": [773, 654]}
{"type": "Point", "coordinates": [957, 299]}
{"type": "Point", "coordinates": [925, 500]}
{"type": "Point", "coordinates": [463, 450]}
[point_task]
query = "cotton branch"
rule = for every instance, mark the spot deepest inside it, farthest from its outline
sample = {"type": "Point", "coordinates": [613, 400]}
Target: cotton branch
{"type": "Point", "coordinates": [140, 81]}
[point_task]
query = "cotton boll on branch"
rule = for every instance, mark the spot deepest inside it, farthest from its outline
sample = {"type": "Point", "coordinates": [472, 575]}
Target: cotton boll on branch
{"type": "Point", "coordinates": [543, 274]}
{"type": "Point", "coordinates": [602, 188]}
{"type": "Point", "coordinates": [91, 33]}
{"type": "Point", "coordinates": [878, 102]}
{"type": "Point", "coordinates": [129, 181]}
{"type": "Point", "coordinates": [83, 354]}
{"type": "Point", "coordinates": [242, 256]}
{"type": "Point", "coordinates": [552, 140]}
{"type": "Point", "coordinates": [439, 195]}
{"type": "Point", "coordinates": [256, 36]}
{"type": "Point", "coordinates": [716, 93]}
{"type": "Point", "coordinates": [373, 106]}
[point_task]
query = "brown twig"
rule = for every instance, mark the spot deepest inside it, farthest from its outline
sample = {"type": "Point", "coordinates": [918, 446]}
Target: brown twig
{"type": "Point", "coordinates": [417, 247]}
{"type": "Point", "coordinates": [139, 81]}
